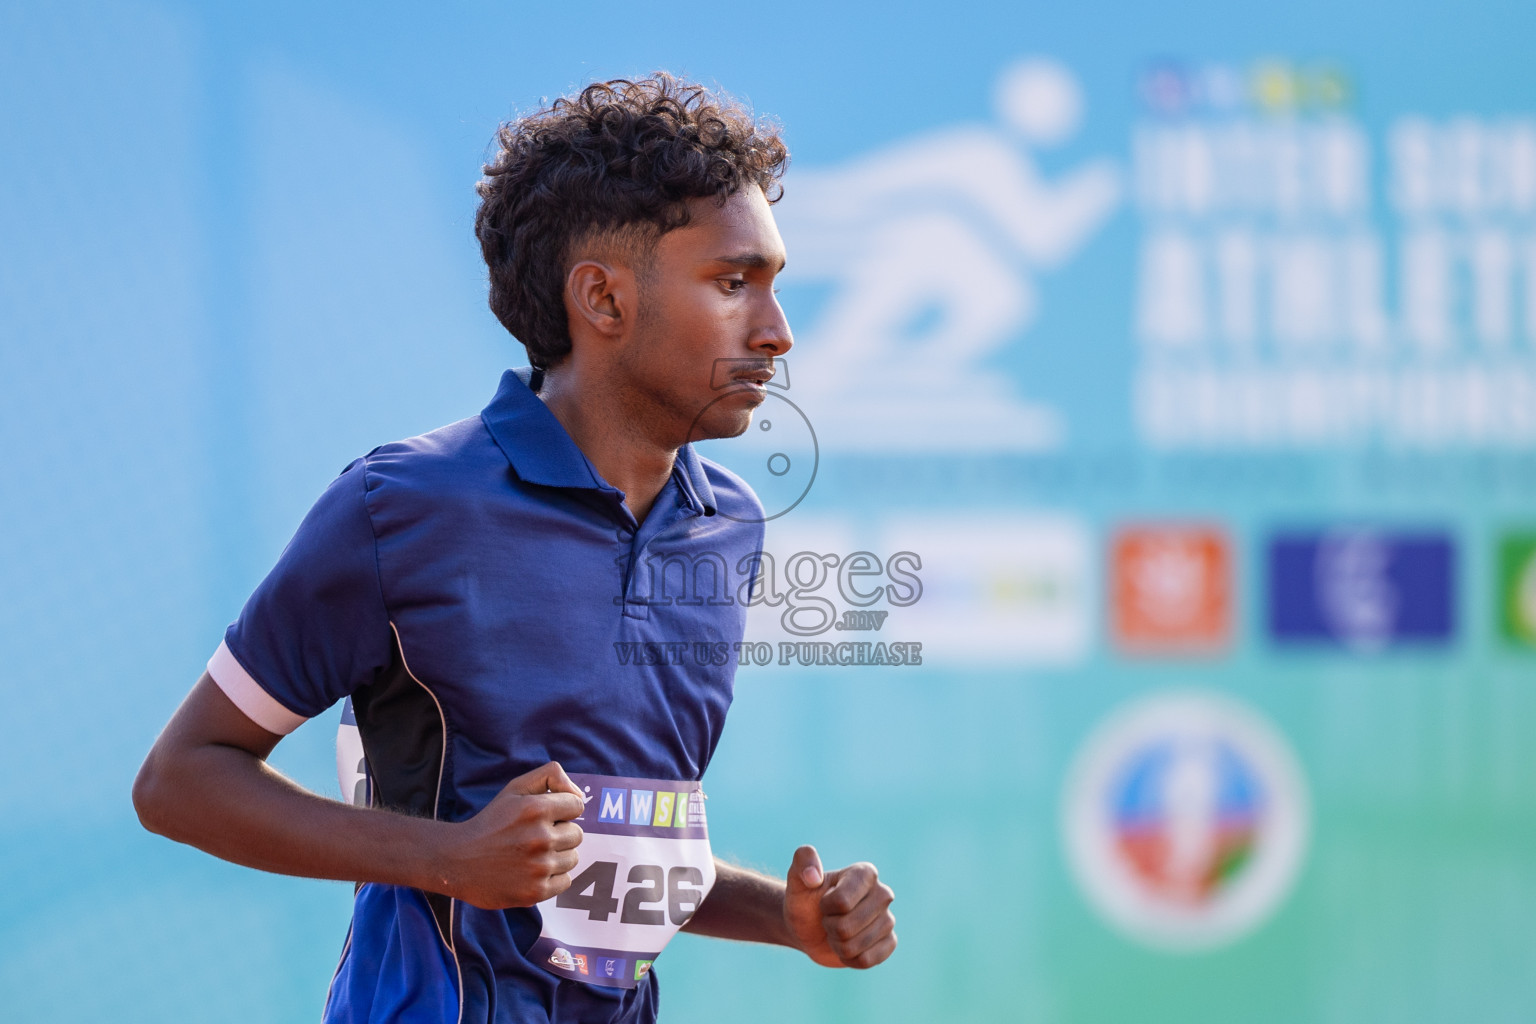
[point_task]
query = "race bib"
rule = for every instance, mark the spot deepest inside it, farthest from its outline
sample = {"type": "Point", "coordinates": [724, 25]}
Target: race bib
{"type": "Point", "coordinates": [644, 868]}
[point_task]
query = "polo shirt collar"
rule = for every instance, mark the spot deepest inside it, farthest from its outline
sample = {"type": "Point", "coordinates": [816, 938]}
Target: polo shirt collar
{"type": "Point", "coordinates": [541, 452]}
{"type": "Point", "coordinates": [689, 471]}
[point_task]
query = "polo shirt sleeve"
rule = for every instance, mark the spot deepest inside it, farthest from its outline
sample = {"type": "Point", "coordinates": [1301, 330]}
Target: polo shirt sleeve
{"type": "Point", "coordinates": [316, 628]}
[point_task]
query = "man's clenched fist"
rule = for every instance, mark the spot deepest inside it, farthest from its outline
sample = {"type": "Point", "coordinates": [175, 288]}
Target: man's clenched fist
{"type": "Point", "coordinates": [519, 850]}
{"type": "Point", "coordinates": [840, 918]}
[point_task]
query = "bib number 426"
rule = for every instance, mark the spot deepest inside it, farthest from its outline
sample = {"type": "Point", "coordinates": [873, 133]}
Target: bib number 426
{"type": "Point", "coordinates": [651, 887]}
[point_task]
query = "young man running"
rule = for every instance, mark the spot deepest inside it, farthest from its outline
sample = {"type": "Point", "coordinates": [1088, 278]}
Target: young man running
{"type": "Point", "coordinates": [536, 831]}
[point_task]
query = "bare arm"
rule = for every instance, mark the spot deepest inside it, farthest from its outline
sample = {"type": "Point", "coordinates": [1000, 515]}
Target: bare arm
{"type": "Point", "coordinates": [838, 919]}
{"type": "Point", "coordinates": [206, 782]}
{"type": "Point", "coordinates": [743, 905]}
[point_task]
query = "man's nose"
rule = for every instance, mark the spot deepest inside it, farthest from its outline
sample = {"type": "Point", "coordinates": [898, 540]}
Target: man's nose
{"type": "Point", "coordinates": [773, 338]}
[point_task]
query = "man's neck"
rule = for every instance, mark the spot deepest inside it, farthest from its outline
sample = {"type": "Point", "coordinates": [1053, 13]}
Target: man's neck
{"type": "Point", "coordinates": [599, 420]}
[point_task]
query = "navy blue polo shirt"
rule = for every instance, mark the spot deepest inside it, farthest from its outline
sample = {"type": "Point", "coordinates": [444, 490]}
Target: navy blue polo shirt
{"type": "Point", "coordinates": [485, 598]}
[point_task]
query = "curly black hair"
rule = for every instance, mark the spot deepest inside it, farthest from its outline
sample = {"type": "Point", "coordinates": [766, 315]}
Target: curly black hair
{"type": "Point", "coordinates": [614, 165]}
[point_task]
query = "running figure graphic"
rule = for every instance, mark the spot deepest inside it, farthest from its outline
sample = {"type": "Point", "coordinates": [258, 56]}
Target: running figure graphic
{"type": "Point", "coordinates": [932, 247]}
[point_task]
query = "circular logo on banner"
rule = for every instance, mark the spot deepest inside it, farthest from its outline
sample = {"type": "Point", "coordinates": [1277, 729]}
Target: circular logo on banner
{"type": "Point", "coordinates": [1185, 820]}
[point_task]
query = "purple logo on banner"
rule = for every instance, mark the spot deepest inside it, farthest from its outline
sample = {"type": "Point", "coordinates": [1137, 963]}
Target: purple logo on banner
{"type": "Point", "coordinates": [1362, 589]}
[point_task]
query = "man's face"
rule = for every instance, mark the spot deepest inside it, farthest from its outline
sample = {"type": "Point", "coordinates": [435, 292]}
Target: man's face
{"type": "Point", "coordinates": [710, 325]}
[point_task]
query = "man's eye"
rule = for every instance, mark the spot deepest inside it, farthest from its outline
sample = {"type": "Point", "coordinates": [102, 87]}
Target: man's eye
{"type": "Point", "coordinates": [732, 284]}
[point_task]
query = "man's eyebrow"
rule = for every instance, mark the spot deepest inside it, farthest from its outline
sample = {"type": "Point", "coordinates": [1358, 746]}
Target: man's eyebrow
{"type": "Point", "coordinates": [754, 260]}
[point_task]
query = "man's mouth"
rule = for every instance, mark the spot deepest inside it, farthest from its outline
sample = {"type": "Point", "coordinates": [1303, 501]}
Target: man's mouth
{"type": "Point", "coordinates": [757, 380]}
{"type": "Point", "coordinates": [750, 373]}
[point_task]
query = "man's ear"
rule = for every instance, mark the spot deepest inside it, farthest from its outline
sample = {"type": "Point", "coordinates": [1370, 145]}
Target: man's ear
{"type": "Point", "coordinates": [600, 296]}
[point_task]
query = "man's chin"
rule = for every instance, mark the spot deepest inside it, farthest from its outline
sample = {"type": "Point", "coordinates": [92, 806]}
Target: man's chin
{"type": "Point", "coordinates": [713, 427]}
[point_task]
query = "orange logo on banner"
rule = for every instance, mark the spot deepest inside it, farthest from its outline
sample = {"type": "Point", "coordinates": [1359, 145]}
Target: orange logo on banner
{"type": "Point", "coordinates": [1170, 589]}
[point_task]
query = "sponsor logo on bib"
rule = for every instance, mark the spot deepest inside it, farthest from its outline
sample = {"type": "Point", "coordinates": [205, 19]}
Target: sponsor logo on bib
{"type": "Point", "coordinates": [568, 961]}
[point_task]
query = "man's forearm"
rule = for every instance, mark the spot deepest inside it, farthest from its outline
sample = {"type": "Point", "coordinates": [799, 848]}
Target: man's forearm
{"type": "Point", "coordinates": [743, 905]}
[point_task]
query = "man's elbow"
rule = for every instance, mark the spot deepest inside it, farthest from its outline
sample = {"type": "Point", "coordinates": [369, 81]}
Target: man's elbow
{"type": "Point", "coordinates": [149, 795]}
